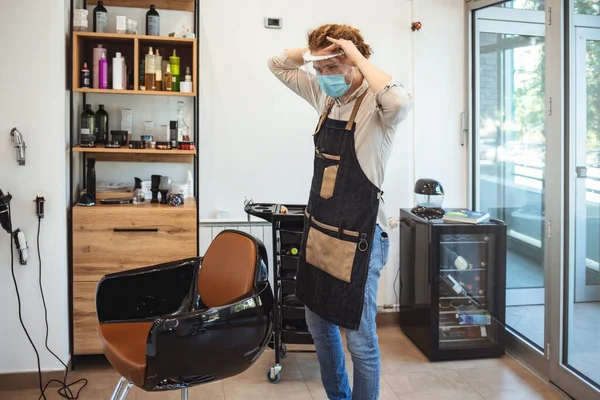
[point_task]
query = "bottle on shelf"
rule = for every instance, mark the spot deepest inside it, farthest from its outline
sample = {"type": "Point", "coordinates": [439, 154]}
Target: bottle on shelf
{"type": "Point", "coordinates": [87, 127]}
{"type": "Point", "coordinates": [183, 130]}
{"type": "Point", "coordinates": [100, 17]}
{"type": "Point", "coordinates": [143, 74]}
{"type": "Point", "coordinates": [85, 77]}
{"type": "Point", "coordinates": [150, 71]}
{"type": "Point", "coordinates": [118, 71]}
{"type": "Point", "coordinates": [103, 72]}
{"type": "Point", "coordinates": [96, 55]}
{"type": "Point", "coordinates": [168, 80]}
{"type": "Point", "coordinates": [158, 70]}
{"type": "Point", "coordinates": [138, 193]}
{"type": "Point", "coordinates": [174, 61]}
{"type": "Point", "coordinates": [186, 86]}
{"type": "Point", "coordinates": [101, 125]}
{"type": "Point", "coordinates": [152, 22]}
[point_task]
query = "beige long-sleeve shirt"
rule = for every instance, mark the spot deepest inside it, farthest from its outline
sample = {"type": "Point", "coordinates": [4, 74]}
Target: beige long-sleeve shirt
{"type": "Point", "coordinates": [376, 121]}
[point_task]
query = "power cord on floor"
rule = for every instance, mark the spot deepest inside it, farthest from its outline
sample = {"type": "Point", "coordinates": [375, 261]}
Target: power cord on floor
{"type": "Point", "coordinates": [65, 390]}
{"type": "Point", "coordinates": [12, 270]}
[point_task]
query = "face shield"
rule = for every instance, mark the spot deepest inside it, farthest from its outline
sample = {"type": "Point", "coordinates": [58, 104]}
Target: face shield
{"type": "Point", "coordinates": [330, 76]}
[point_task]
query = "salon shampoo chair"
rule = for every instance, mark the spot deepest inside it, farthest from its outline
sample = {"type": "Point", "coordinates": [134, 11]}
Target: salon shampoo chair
{"type": "Point", "coordinates": [180, 324]}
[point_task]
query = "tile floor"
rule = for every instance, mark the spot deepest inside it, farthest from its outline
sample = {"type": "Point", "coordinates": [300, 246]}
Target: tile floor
{"type": "Point", "coordinates": [406, 374]}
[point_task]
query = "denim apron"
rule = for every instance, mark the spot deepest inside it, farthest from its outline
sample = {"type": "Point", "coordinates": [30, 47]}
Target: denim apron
{"type": "Point", "coordinates": [340, 221]}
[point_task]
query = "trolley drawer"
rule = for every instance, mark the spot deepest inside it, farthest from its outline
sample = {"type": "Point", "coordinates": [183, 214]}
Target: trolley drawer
{"type": "Point", "coordinates": [293, 312]}
{"type": "Point", "coordinates": [288, 287]}
{"type": "Point", "coordinates": [289, 237]}
{"type": "Point", "coordinates": [289, 264]}
{"type": "Point", "coordinates": [292, 337]}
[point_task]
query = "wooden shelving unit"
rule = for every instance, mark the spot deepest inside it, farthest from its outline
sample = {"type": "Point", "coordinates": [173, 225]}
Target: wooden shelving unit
{"type": "Point", "coordinates": [132, 47]}
{"type": "Point", "coordinates": [104, 239]}
{"type": "Point", "coordinates": [101, 153]}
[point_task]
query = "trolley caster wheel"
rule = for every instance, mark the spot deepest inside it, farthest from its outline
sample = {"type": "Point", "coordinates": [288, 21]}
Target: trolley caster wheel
{"type": "Point", "coordinates": [273, 380]}
{"type": "Point", "coordinates": [282, 354]}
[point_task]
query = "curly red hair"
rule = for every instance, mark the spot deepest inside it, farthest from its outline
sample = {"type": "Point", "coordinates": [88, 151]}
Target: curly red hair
{"type": "Point", "coordinates": [317, 38]}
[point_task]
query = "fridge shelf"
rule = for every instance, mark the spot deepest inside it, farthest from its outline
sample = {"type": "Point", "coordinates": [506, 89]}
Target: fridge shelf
{"type": "Point", "coordinates": [465, 297]}
{"type": "Point", "coordinates": [463, 270]}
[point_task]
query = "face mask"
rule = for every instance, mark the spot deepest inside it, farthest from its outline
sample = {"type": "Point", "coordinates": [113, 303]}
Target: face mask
{"type": "Point", "coordinates": [333, 85]}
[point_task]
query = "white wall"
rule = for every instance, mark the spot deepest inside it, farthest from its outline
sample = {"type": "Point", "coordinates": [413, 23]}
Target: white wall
{"type": "Point", "coordinates": [33, 99]}
{"type": "Point", "coordinates": [242, 108]}
{"type": "Point", "coordinates": [255, 134]}
{"type": "Point", "coordinates": [439, 75]}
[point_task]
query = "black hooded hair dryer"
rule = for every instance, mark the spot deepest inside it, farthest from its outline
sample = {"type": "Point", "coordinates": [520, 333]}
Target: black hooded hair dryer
{"type": "Point", "coordinates": [4, 211]}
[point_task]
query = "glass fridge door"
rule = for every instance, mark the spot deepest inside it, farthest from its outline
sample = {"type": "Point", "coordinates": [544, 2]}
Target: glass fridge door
{"type": "Point", "coordinates": [466, 291]}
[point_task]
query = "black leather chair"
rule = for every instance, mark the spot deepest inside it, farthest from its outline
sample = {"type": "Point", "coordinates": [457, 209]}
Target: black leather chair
{"type": "Point", "coordinates": [181, 324]}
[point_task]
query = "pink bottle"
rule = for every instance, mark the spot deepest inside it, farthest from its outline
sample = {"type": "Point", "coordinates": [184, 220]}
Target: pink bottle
{"type": "Point", "coordinates": [103, 69]}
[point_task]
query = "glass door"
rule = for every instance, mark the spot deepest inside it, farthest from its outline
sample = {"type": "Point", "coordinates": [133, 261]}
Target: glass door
{"type": "Point", "coordinates": [468, 316]}
{"type": "Point", "coordinates": [576, 368]}
{"type": "Point", "coordinates": [510, 156]}
{"type": "Point", "coordinates": [587, 168]}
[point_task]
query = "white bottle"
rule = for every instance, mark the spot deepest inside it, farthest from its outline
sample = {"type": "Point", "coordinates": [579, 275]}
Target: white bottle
{"type": "Point", "coordinates": [190, 184]}
{"type": "Point", "coordinates": [118, 72]}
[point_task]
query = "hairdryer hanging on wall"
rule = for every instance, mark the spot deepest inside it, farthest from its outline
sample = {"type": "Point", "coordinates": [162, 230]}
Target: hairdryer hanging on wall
{"type": "Point", "coordinates": [5, 212]}
{"type": "Point", "coordinates": [17, 138]}
{"type": "Point", "coordinates": [6, 223]}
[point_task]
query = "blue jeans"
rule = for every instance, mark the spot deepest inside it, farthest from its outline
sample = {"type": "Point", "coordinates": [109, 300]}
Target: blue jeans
{"type": "Point", "coordinates": [363, 344]}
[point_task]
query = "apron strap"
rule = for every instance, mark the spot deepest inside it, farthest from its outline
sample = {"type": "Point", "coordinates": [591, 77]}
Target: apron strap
{"type": "Point", "coordinates": [355, 111]}
{"type": "Point", "coordinates": [324, 115]}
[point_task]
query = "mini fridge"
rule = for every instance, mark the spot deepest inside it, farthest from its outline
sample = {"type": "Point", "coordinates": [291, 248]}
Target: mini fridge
{"type": "Point", "coordinates": [452, 284]}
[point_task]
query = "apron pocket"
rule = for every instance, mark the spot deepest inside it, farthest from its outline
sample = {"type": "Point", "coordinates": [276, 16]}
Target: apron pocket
{"type": "Point", "coordinates": [328, 184]}
{"type": "Point", "coordinates": [331, 254]}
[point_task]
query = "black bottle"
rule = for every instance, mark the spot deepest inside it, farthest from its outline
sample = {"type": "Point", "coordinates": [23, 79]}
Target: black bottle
{"type": "Point", "coordinates": [101, 131]}
{"type": "Point", "coordinates": [87, 126]}
{"type": "Point", "coordinates": [88, 199]}
{"type": "Point", "coordinates": [100, 18]}
{"type": "Point", "coordinates": [152, 22]}
{"type": "Point", "coordinates": [91, 178]}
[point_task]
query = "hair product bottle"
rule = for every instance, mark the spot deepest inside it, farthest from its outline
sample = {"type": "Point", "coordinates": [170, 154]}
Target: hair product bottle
{"type": "Point", "coordinates": [101, 128]}
{"type": "Point", "coordinates": [87, 127]}
{"type": "Point", "coordinates": [174, 61]}
{"type": "Point", "coordinates": [158, 71]}
{"type": "Point", "coordinates": [152, 22]}
{"type": "Point", "coordinates": [100, 18]}
{"type": "Point", "coordinates": [96, 55]}
{"type": "Point", "coordinates": [150, 71]}
{"type": "Point", "coordinates": [118, 83]}
{"type": "Point", "coordinates": [86, 82]}
{"type": "Point", "coordinates": [168, 79]}
{"type": "Point", "coordinates": [103, 70]}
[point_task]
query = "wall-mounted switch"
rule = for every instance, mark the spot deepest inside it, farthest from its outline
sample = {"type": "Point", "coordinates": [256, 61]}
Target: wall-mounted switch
{"type": "Point", "coordinates": [273, 23]}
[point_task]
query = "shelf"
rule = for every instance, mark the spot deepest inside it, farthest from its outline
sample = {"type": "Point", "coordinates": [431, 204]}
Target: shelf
{"type": "Point", "coordinates": [133, 48]}
{"type": "Point", "coordinates": [190, 202]}
{"type": "Point", "coordinates": [179, 5]}
{"type": "Point", "coordinates": [101, 153]}
{"type": "Point", "coordinates": [135, 92]}
{"type": "Point", "coordinates": [462, 298]}
{"type": "Point", "coordinates": [464, 312]}
{"type": "Point", "coordinates": [123, 37]}
{"type": "Point", "coordinates": [463, 270]}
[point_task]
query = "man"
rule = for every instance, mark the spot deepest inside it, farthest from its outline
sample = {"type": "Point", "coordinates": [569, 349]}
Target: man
{"type": "Point", "coordinates": [344, 246]}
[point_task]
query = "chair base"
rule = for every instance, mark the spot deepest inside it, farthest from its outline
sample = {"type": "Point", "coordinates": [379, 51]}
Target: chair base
{"type": "Point", "coordinates": [125, 392]}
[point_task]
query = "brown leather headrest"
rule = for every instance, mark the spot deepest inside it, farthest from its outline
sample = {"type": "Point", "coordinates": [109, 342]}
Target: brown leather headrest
{"type": "Point", "coordinates": [228, 269]}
